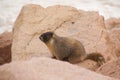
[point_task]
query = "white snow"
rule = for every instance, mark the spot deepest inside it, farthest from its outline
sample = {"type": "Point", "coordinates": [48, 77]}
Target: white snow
{"type": "Point", "coordinates": [9, 9]}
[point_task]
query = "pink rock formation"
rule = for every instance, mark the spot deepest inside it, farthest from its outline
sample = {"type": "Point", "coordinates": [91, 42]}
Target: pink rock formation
{"type": "Point", "coordinates": [5, 47]}
{"type": "Point", "coordinates": [113, 27]}
{"type": "Point", "coordinates": [111, 69]}
{"type": "Point", "coordinates": [46, 69]}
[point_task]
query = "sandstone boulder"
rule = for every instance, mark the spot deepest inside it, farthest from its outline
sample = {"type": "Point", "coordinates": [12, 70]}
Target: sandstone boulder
{"type": "Point", "coordinates": [113, 27]}
{"type": "Point", "coordinates": [87, 27]}
{"type": "Point", "coordinates": [46, 69]}
{"type": "Point", "coordinates": [5, 47]}
{"type": "Point", "coordinates": [111, 69]}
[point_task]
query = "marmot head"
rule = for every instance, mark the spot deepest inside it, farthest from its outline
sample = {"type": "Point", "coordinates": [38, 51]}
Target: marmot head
{"type": "Point", "coordinates": [45, 37]}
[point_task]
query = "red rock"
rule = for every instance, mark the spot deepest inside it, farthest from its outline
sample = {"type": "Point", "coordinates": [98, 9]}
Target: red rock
{"type": "Point", "coordinates": [113, 27]}
{"type": "Point", "coordinates": [112, 23]}
{"type": "Point", "coordinates": [89, 64]}
{"type": "Point", "coordinates": [46, 69]}
{"type": "Point", "coordinates": [111, 69]}
{"type": "Point", "coordinates": [5, 47]}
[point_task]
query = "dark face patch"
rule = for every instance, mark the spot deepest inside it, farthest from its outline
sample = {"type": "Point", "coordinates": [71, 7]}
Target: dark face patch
{"type": "Point", "coordinates": [45, 37]}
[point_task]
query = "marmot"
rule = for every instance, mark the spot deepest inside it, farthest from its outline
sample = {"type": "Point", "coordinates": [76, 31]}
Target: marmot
{"type": "Point", "coordinates": [67, 49]}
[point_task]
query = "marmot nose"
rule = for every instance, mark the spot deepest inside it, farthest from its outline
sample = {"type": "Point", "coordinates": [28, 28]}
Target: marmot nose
{"type": "Point", "coordinates": [41, 38]}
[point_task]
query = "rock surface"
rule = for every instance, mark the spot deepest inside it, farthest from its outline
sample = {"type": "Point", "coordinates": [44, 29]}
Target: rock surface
{"type": "Point", "coordinates": [5, 47]}
{"type": "Point", "coordinates": [89, 64]}
{"type": "Point", "coordinates": [111, 69]}
{"type": "Point", "coordinates": [112, 23]}
{"type": "Point", "coordinates": [88, 27]}
{"type": "Point", "coordinates": [46, 69]}
{"type": "Point", "coordinates": [113, 27]}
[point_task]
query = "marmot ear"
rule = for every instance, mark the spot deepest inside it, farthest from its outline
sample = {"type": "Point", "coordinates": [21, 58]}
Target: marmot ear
{"type": "Point", "coordinates": [51, 33]}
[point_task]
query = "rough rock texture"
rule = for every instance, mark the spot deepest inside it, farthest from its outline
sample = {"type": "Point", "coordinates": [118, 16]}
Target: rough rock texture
{"type": "Point", "coordinates": [113, 27]}
{"type": "Point", "coordinates": [112, 23]}
{"type": "Point", "coordinates": [89, 64]}
{"type": "Point", "coordinates": [46, 69]}
{"type": "Point", "coordinates": [88, 27]}
{"type": "Point", "coordinates": [5, 47]}
{"type": "Point", "coordinates": [111, 69]}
